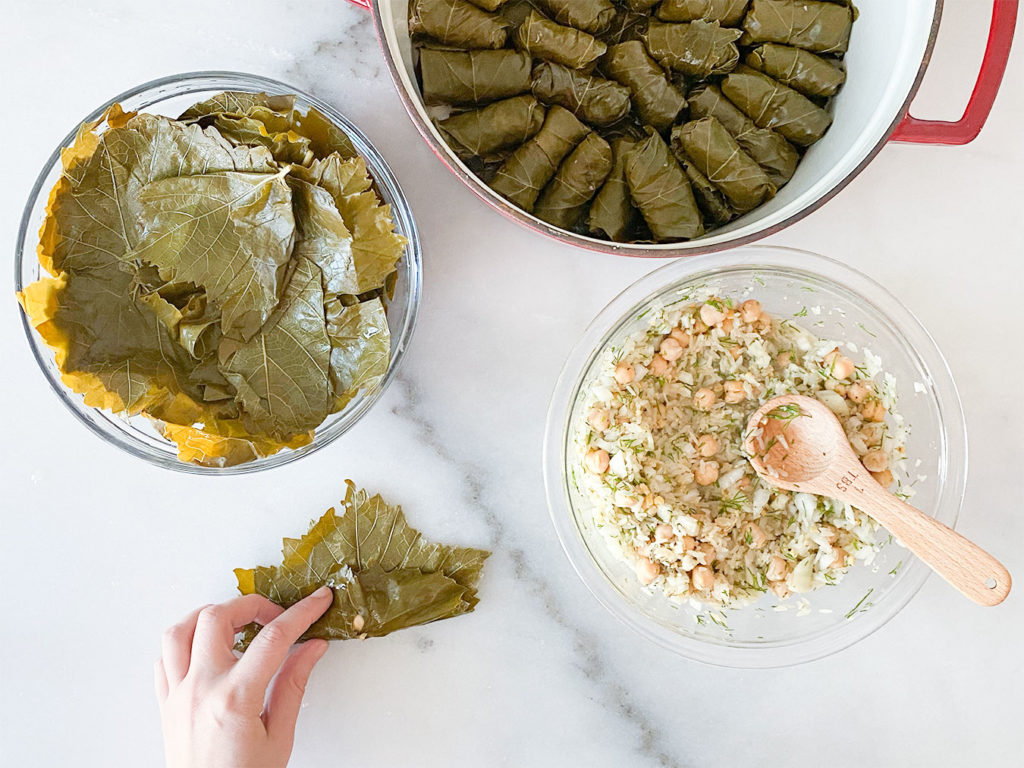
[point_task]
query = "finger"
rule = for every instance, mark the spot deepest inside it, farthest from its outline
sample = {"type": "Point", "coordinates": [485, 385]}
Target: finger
{"type": "Point", "coordinates": [288, 688]}
{"type": "Point", "coordinates": [217, 625]}
{"type": "Point", "coordinates": [160, 683]}
{"type": "Point", "coordinates": [269, 649]}
{"type": "Point", "coordinates": [176, 648]}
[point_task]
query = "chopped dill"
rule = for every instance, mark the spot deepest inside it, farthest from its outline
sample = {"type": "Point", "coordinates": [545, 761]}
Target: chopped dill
{"type": "Point", "coordinates": [857, 608]}
{"type": "Point", "coordinates": [801, 313]}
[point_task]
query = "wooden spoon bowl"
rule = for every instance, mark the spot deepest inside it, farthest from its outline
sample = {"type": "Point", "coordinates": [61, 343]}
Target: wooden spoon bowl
{"type": "Point", "coordinates": [796, 443]}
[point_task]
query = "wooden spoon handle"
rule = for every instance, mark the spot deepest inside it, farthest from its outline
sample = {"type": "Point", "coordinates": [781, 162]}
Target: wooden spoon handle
{"type": "Point", "coordinates": [959, 561]}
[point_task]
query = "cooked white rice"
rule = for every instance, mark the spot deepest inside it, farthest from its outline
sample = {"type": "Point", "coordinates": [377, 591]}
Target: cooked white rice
{"type": "Point", "coordinates": [664, 470]}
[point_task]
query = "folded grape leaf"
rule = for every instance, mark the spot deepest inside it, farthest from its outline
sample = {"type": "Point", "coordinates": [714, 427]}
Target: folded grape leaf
{"type": "Point", "coordinates": [237, 103]}
{"type": "Point", "coordinates": [385, 576]}
{"type": "Point", "coordinates": [282, 374]}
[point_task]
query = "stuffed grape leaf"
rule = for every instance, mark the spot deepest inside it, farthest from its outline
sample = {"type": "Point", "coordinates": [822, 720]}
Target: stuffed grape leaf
{"type": "Point", "coordinates": [770, 104]}
{"type": "Point", "coordinates": [822, 27]}
{"type": "Point", "coordinates": [457, 23]}
{"type": "Point", "coordinates": [473, 77]}
{"type": "Point", "coordinates": [503, 124]}
{"type": "Point", "coordinates": [544, 39]}
{"type": "Point", "coordinates": [578, 178]}
{"type": "Point", "coordinates": [657, 100]}
{"type": "Point", "coordinates": [527, 171]}
{"type": "Point", "coordinates": [384, 575]}
{"type": "Point", "coordinates": [799, 69]}
{"type": "Point", "coordinates": [699, 49]}
{"type": "Point", "coordinates": [769, 149]}
{"type": "Point", "coordinates": [721, 160]}
{"type": "Point", "coordinates": [612, 211]}
{"type": "Point", "coordinates": [728, 13]}
{"type": "Point", "coordinates": [660, 189]}
{"type": "Point", "coordinates": [589, 97]}
{"type": "Point", "coordinates": [593, 16]}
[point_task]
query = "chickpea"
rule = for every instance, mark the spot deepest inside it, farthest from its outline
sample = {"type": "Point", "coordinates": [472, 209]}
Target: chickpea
{"type": "Point", "coordinates": [763, 323]}
{"type": "Point", "coordinates": [658, 365]}
{"type": "Point", "coordinates": [727, 325]}
{"type": "Point", "coordinates": [689, 543]}
{"type": "Point", "coordinates": [875, 461]}
{"type": "Point", "coordinates": [860, 391]}
{"type": "Point", "coordinates": [624, 373]}
{"type": "Point", "coordinates": [706, 472]}
{"type": "Point", "coordinates": [840, 366]}
{"type": "Point", "coordinates": [750, 310]}
{"type": "Point", "coordinates": [647, 571]}
{"type": "Point", "coordinates": [884, 478]}
{"type": "Point", "coordinates": [699, 326]}
{"type": "Point", "coordinates": [707, 445]}
{"type": "Point", "coordinates": [671, 349]}
{"type": "Point", "coordinates": [744, 483]}
{"type": "Point", "coordinates": [735, 392]}
{"type": "Point", "coordinates": [597, 461]}
{"type": "Point", "coordinates": [599, 419]}
{"type": "Point", "coordinates": [627, 500]}
{"type": "Point", "coordinates": [873, 410]}
{"type": "Point", "coordinates": [711, 315]}
{"type": "Point", "coordinates": [681, 336]}
{"type": "Point", "coordinates": [648, 501]}
{"type": "Point", "coordinates": [777, 569]}
{"type": "Point", "coordinates": [703, 578]}
{"type": "Point", "coordinates": [664, 533]}
{"type": "Point", "coordinates": [841, 557]}
{"type": "Point", "coordinates": [784, 359]}
{"type": "Point", "coordinates": [735, 352]}
{"type": "Point", "coordinates": [753, 533]}
{"type": "Point", "coordinates": [704, 399]}
{"type": "Point", "coordinates": [780, 589]}
{"type": "Point", "coordinates": [709, 552]}
{"type": "Point", "coordinates": [872, 433]}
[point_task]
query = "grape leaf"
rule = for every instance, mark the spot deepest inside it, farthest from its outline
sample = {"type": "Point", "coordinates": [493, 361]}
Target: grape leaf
{"type": "Point", "coordinates": [360, 345]}
{"type": "Point", "coordinates": [282, 374]}
{"type": "Point", "coordinates": [385, 576]}
{"type": "Point", "coordinates": [376, 248]}
{"type": "Point", "coordinates": [231, 232]}
{"type": "Point", "coordinates": [323, 237]}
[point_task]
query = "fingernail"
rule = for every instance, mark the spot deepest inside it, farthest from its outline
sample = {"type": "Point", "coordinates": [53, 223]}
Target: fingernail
{"type": "Point", "coordinates": [321, 593]}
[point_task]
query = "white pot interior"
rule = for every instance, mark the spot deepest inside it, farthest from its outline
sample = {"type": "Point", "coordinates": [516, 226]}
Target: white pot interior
{"type": "Point", "coordinates": [887, 48]}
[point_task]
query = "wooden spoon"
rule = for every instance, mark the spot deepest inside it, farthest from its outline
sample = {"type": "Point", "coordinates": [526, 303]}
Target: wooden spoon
{"type": "Point", "coordinates": [796, 443]}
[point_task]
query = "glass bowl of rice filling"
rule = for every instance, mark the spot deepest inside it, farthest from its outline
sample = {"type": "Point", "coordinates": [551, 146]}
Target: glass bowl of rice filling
{"type": "Point", "coordinates": [654, 500]}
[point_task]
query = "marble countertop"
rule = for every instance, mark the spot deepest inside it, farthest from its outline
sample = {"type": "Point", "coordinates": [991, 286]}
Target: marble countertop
{"type": "Point", "coordinates": [99, 551]}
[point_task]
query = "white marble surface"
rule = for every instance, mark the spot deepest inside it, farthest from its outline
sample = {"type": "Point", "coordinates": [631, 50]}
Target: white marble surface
{"type": "Point", "coordinates": [99, 552]}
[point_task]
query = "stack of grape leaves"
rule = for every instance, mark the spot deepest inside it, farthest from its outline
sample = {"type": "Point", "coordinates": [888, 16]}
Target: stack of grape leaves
{"type": "Point", "coordinates": [385, 576]}
{"type": "Point", "coordinates": [225, 274]}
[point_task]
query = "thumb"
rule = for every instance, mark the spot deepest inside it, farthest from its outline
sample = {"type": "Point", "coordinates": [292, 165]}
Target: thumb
{"type": "Point", "coordinates": [288, 688]}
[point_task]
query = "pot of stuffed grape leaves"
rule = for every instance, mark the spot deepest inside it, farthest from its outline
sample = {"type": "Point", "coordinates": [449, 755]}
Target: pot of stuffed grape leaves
{"type": "Point", "coordinates": [671, 128]}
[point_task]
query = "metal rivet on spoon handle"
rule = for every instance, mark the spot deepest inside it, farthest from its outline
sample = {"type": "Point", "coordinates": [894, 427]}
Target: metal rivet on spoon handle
{"type": "Point", "coordinates": [796, 443]}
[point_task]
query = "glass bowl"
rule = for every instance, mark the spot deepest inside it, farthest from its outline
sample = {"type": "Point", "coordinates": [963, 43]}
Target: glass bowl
{"type": "Point", "coordinates": [170, 96]}
{"type": "Point", "coordinates": [853, 308]}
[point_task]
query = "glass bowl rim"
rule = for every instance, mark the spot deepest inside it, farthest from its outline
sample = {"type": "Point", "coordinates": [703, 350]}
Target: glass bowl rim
{"type": "Point", "coordinates": [383, 178]}
{"type": "Point", "coordinates": [594, 338]}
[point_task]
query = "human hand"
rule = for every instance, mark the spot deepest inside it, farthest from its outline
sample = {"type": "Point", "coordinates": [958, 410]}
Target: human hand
{"type": "Point", "coordinates": [215, 708]}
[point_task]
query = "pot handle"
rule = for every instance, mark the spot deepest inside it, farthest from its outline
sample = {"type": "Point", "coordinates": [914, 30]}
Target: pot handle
{"type": "Point", "coordinates": [993, 65]}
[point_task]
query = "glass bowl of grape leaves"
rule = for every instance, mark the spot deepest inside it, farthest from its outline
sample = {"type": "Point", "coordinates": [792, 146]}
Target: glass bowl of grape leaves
{"type": "Point", "coordinates": [218, 273]}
